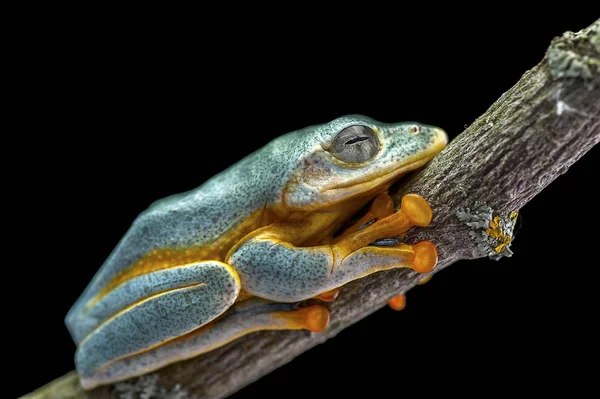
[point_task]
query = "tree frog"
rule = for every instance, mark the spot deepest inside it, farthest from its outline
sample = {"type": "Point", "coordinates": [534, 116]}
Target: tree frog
{"type": "Point", "coordinates": [243, 251]}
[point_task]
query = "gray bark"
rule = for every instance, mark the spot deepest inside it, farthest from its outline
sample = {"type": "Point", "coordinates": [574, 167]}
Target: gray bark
{"type": "Point", "coordinates": [527, 138]}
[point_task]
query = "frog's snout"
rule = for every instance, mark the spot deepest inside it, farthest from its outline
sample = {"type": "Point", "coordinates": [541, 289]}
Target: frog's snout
{"type": "Point", "coordinates": [441, 136]}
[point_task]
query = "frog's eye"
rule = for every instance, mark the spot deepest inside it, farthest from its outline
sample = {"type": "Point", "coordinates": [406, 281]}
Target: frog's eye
{"type": "Point", "coordinates": [414, 130]}
{"type": "Point", "coordinates": [355, 144]}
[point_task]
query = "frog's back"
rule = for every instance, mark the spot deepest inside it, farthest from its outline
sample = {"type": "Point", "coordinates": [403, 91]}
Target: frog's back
{"type": "Point", "coordinates": [221, 210]}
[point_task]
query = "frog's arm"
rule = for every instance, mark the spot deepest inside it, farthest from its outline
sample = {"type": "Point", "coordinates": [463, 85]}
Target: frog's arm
{"type": "Point", "coordinates": [271, 266]}
{"type": "Point", "coordinates": [150, 310]}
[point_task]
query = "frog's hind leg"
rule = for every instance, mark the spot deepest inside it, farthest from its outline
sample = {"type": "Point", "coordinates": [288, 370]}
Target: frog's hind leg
{"type": "Point", "coordinates": [178, 301]}
{"type": "Point", "coordinates": [243, 318]}
{"type": "Point", "coordinates": [268, 315]}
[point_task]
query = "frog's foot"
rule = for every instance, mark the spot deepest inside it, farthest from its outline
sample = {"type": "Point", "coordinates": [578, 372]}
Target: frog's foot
{"type": "Point", "coordinates": [398, 302]}
{"type": "Point", "coordinates": [414, 211]}
{"type": "Point", "coordinates": [329, 296]}
{"type": "Point", "coordinates": [243, 318]}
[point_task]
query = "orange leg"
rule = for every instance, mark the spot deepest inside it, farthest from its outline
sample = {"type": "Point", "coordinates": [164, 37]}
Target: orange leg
{"type": "Point", "coordinates": [414, 211]}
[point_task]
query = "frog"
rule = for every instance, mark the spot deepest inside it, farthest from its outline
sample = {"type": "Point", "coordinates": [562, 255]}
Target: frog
{"type": "Point", "coordinates": [263, 245]}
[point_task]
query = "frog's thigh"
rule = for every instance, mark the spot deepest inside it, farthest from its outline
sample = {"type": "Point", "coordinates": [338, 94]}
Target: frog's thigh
{"type": "Point", "coordinates": [133, 291]}
{"type": "Point", "coordinates": [160, 317]}
{"type": "Point", "coordinates": [243, 318]}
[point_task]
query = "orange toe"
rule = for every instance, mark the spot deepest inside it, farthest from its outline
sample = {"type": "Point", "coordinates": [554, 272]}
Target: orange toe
{"type": "Point", "coordinates": [426, 257]}
{"type": "Point", "coordinates": [416, 209]}
{"type": "Point", "coordinates": [398, 302]}
{"type": "Point", "coordinates": [317, 318]}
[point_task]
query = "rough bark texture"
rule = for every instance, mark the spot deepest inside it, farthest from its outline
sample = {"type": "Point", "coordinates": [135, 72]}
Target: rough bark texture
{"type": "Point", "coordinates": [530, 136]}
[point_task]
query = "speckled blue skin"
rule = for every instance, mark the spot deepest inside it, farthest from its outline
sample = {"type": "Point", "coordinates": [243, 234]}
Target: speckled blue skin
{"type": "Point", "coordinates": [252, 315]}
{"type": "Point", "coordinates": [295, 274]}
{"type": "Point", "coordinates": [208, 289]}
{"type": "Point", "coordinates": [293, 174]}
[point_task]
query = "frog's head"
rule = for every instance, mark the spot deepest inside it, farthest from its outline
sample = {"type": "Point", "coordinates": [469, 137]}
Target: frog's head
{"type": "Point", "coordinates": [355, 155]}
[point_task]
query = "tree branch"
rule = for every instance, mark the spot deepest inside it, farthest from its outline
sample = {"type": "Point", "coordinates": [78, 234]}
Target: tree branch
{"type": "Point", "coordinates": [526, 139]}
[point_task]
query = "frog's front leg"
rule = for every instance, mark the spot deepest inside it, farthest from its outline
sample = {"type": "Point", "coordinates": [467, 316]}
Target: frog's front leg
{"type": "Point", "coordinates": [146, 316]}
{"type": "Point", "coordinates": [382, 206]}
{"type": "Point", "coordinates": [271, 267]}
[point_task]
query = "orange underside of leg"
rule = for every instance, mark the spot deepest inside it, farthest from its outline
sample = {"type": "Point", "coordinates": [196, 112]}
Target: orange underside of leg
{"type": "Point", "coordinates": [314, 318]}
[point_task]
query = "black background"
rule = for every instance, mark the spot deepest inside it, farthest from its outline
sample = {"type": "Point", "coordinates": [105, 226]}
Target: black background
{"type": "Point", "coordinates": [124, 117]}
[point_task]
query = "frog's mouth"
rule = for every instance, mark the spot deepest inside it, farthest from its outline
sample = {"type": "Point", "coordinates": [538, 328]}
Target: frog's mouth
{"type": "Point", "coordinates": [389, 177]}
